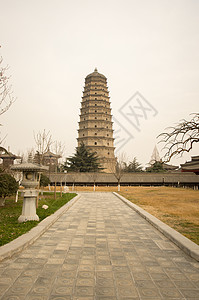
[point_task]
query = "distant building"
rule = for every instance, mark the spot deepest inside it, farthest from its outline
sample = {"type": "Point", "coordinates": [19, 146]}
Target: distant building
{"type": "Point", "coordinates": [95, 126]}
{"type": "Point", "coordinates": [168, 167]}
{"type": "Point", "coordinates": [51, 160]}
{"type": "Point", "coordinates": [191, 166]}
{"type": "Point", "coordinates": [155, 157]}
{"type": "Point", "coordinates": [7, 159]}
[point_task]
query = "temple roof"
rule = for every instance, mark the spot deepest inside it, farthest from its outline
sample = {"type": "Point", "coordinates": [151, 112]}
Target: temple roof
{"type": "Point", "coordinates": [29, 167]}
{"type": "Point", "coordinates": [50, 154]}
{"type": "Point", "coordinates": [169, 167]}
{"type": "Point", "coordinates": [6, 154]}
{"type": "Point", "coordinates": [191, 166]}
{"type": "Point", "coordinates": [95, 73]}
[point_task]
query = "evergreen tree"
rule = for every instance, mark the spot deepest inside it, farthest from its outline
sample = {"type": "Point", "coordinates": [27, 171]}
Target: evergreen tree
{"type": "Point", "coordinates": [44, 180]}
{"type": "Point", "coordinates": [156, 167]}
{"type": "Point", "coordinates": [8, 187]}
{"type": "Point", "coordinates": [133, 166]}
{"type": "Point", "coordinates": [83, 161]}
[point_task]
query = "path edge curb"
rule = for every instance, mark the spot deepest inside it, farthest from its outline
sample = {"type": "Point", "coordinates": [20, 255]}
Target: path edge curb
{"type": "Point", "coordinates": [28, 238]}
{"type": "Point", "coordinates": [189, 247]}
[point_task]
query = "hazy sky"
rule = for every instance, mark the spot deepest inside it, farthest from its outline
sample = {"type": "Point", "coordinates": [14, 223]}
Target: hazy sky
{"type": "Point", "coordinates": [150, 47]}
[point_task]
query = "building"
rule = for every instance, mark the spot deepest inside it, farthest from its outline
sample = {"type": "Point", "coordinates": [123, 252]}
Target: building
{"type": "Point", "coordinates": [155, 157]}
{"type": "Point", "coordinates": [191, 166]}
{"type": "Point", "coordinates": [95, 126]}
{"type": "Point", "coordinates": [51, 160]}
{"type": "Point", "coordinates": [7, 158]}
{"type": "Point", "coordinates": [174, 179]}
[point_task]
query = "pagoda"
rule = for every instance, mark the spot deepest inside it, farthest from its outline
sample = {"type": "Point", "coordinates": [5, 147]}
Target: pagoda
{"type": "Point", "coordinates": [95, 126]}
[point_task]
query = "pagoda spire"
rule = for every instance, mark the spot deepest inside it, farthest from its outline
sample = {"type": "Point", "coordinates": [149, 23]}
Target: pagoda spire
{"type": "Point", "coordinates": [155, 156]}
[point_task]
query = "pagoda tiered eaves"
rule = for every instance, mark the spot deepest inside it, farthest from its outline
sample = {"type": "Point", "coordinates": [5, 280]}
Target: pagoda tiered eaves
{"type": "Point", "coordinates": [95, 125]}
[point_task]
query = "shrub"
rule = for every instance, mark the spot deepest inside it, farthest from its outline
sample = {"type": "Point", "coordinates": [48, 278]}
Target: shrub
{"type": "Point", "coordinates": [44, 180]}
{"type": "Point", "coordinates": [8, 187]}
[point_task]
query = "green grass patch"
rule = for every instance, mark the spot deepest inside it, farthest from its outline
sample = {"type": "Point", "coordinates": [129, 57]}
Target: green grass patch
{"type": "Point", "coordinates": [188, 229]}
{"type": "Point", "coordinates": [10, 229]}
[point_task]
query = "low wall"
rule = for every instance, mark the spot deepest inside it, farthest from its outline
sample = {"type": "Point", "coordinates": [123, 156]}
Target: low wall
{"type": "Point", "coordinates": [128, 179]}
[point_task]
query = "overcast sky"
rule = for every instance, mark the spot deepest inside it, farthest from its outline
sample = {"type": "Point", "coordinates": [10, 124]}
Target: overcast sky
{"type": "Point", "coordinates": [150, 47]}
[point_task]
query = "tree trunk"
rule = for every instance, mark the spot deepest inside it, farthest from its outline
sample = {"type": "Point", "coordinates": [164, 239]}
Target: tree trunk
{"type": "Point", "coordinates": [17, 195]}
{"type": "Point", "coordinates": [55, 191]}
{"type": "Point", "coordinates": [61, 189]}
{"type": "Point", "coordinates": [2, 201]}
{"type": "Point", "coordinates": [37, 199]}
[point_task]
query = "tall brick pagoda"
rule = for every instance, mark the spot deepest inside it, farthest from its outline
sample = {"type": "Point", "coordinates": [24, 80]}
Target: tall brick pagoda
{"type": "Point", "coordinates": [95, 126]}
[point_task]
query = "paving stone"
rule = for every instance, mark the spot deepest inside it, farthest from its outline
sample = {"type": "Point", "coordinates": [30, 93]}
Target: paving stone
{"type": "Point", "coordinates": [105, 291]}
{"type": "Point", "coordinates": [84, 291]}
{"type": "Point", "coordinates": [100, 249]}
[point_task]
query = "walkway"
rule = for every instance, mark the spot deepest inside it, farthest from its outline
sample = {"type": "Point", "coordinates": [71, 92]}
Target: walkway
{"type": "Point", "coordinates": [100, 249]}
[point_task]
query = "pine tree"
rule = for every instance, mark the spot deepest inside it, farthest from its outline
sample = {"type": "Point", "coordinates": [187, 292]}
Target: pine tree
{"type": "Point", "coordinates": [133, 166]}
{"type": "Point", "coordinates": [156, 167]}
{"type": "Point", "coordinates": [83, 161]}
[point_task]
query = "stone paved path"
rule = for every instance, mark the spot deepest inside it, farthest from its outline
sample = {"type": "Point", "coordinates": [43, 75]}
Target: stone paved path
{"type": "Point", "coordinates": [100, 249]}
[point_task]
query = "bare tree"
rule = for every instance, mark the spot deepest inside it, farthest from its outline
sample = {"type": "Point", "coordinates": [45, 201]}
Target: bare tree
{"type": "Point", "coordinates": [93, 177]}
{"type": "Point", "coordinates": [58, 148]}
{"type": "Point", "coordinates": [43, 142]}
{"type": "Point", "coordinates": [180, 138]}
{"type": "Point", "coordinates": [118, 168]}
{"type": "Point", "coordinates": [6, 92]}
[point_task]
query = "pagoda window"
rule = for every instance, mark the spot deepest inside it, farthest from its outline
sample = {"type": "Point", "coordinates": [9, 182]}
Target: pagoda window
{"type": "Point", "coordinates": [95, 93]}
{"type": "Point", "coordinates": [84, 119]}
{"type": "Point", "coordinates": [95, 126]}
{"type": "Point", "coordinates": [95, 133]}
{"type": "Point", "coordinates": [108, 153]}
{"type": "Point", "coordinates": [83, 134]}
{"type": "Point", "coordinates": [95, 143]}
{"type": "Point", "coordinates": [108, 144]}
{"type": "Point", "coordinates": [95, 104]}
{"type": "Point", "coordinates": [95, 110]}
{"type": "Point", "coordinates": [107, 134]}
{"type": "Point", "coordinates": [95, 118]}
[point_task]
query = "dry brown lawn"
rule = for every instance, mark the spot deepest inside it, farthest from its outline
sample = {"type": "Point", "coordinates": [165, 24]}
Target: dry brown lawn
{"type": "Point", "coordinates": [177, 207]}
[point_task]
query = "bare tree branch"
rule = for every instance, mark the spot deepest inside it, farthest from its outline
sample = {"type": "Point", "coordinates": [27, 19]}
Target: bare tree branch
{"type": "Point", "coordinates": [43, 142]}
{"type": "Point", "coordinates": [58, 148]}
{"type": "Point", "coordinates": [180, 139]}
{"type": "Point", "coordinates": [6, 92]}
